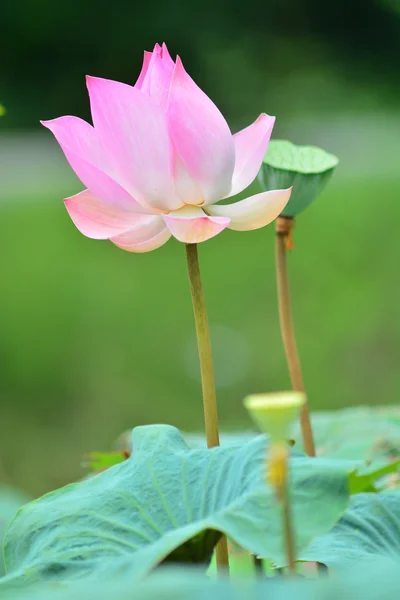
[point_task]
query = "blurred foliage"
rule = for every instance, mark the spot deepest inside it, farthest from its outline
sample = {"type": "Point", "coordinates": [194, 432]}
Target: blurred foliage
{"type": "Point", "coordinates": [249, 49]}
{"type": "Point", "coordinates": [379, 580]}
{"type": "Point", "coordinates": [365, 433]}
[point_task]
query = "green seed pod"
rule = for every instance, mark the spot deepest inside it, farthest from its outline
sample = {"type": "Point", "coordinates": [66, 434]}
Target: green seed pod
{"type": "Point", "coordinates": [306, 168]}
{"type": "Point", "coordinates": [275, 413]}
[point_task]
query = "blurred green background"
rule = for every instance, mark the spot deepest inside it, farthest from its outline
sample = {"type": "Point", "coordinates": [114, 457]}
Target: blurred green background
{"type": "Point", "coordinates": [94, 340]}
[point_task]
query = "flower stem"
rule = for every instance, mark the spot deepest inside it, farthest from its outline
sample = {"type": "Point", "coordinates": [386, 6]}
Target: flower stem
{"type": "Point", "coordinates": [284, 226]}
{"type": "Point", "coordinates": [207, 372]}
{"type": "Point", "coordinates": [204, 346]}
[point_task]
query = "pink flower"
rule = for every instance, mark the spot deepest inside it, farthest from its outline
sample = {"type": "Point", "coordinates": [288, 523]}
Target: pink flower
{"type": "Point", "coordinates": [160, 155]}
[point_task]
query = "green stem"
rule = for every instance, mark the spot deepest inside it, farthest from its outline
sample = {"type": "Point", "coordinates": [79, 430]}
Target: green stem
{"type": "Point", "coordinates": [288, 529]}
{"type": "Point", "coordinates": [277, 476]}
{"type": "Point", "coordinates": [207, 372]}
{"type": "Point", "coordinates": [258, 566]}
{"type": "Point", "coordinates": [284, 226]}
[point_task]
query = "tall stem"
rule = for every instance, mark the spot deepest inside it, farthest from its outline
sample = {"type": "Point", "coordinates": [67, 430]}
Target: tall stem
{"type": "Point", "coordinates": [283, 229]}
{"type": "Point", "coordinates": [207, 372]}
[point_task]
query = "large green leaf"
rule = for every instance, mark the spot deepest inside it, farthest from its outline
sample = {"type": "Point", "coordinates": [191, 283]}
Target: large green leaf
{"type": "Point", "coordinates": [196, 439]}
{"type": "Point", "coordinates": [169, 502]}
{"type": "Point", "coordinates": [369, 530]}
{"type": "Point", "coordinates": [371, 434]}
{"type": "Point", "coordinates": [361, 432]}
{"type": "Point", "coordinates": [10, 501]}
{"type": "Point", "coordinates": [99, 461]}
{"type": "Point", "coordinates": [306, 168]}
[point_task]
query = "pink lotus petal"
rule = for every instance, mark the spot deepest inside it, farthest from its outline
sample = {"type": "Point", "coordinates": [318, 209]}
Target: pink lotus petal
{"type": "Point", "coordinates": [98, 220]}
{"type": "Point", "coordinates": [191, 225]}
{"type": "Point", "coordinates": [146, 61]}
{"type": "Point", "coordinates": [149, 236]}
{"type": "Point", "coordinates": [84, 153]}
{"type": "Point", "coordinates": [165, 54]}
{"type": "Point", "coordinates": [250, 147]}
{"type": "Point", "coordinates": [185, 186]}
{"type": "Point", "coordinates": [253, 212]}
{"type": "Point", "coordinates": [134, 131]}
{"type": "Point", "coordinates": [157, 80]}
{"type": "Point", "coordinates": [201, 136]}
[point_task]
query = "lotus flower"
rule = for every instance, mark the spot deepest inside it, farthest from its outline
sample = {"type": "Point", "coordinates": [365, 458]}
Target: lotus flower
{"type": "Point", "coordinates": [158, 158]}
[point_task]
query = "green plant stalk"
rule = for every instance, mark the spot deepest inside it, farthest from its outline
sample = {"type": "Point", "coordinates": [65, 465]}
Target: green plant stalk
{"type": "Point", "coordinates": [284, 226]}
{"type": "Point", "coordinates": [258, 566]}
{"type": "Point", "coordinates": [288, 529]}
{"type": "Point", "coordinates": [277, 476]}
{"type": "Point", "coordinates": [207, 372]}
